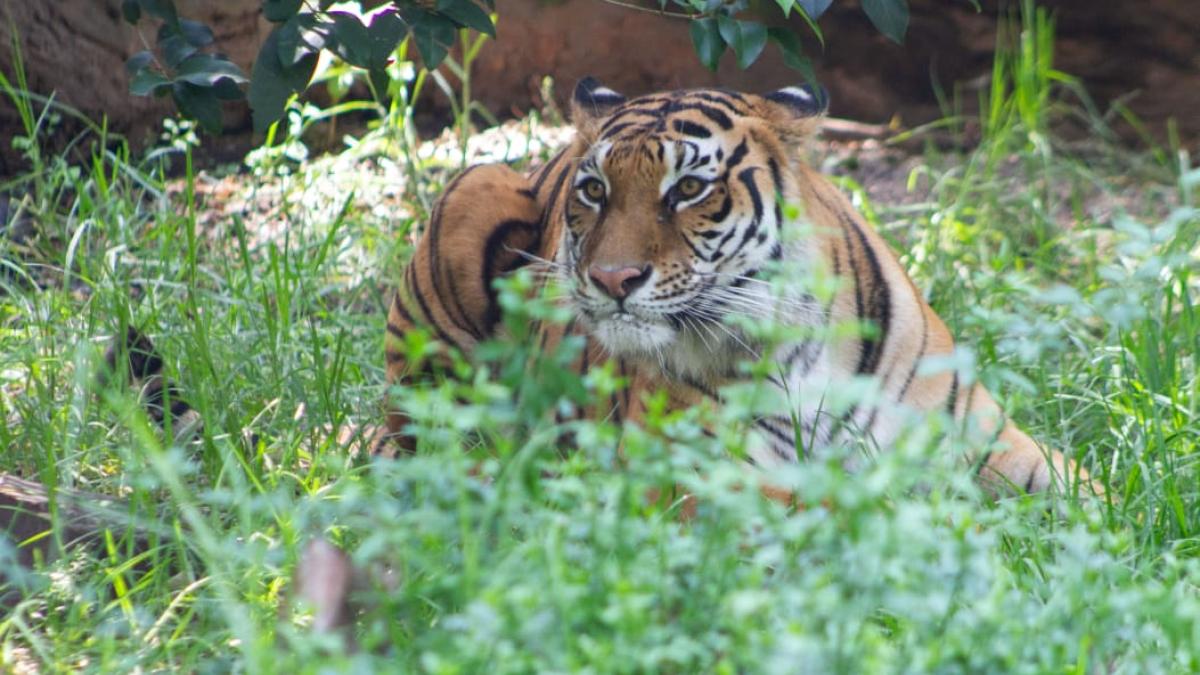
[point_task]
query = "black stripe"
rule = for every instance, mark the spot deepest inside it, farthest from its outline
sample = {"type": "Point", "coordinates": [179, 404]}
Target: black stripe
{"type": "Point", "coordinates": [751, 230]}
{"type": "Point", "coordinates": [585, 355]}
{"type": "Point", "coordinates": [983, 461]}
{"type": "Point", "coordinates": [723, 212]}
{"type": "Point", "coordinates": [552, 202]}
{"type": "Point", "coordinates": [402, 310]}
{"type": "Point", "coordinates": [547, 170]}
{"type": "Point", "coordinates": [691, 129]}
{"type": "Point", "coordinates": [720, 98]}
{"type": "Point", "coordinates": [696, 251]}
{"type": "Point", "coordinates": [781, 436]}
{"type": "Point", "coordinates": [850, 259]}
{"type": "Point", "coordinates": [912, 373]}
{"type": "Point", "coordinates": [434, 239]}
{"type": "Point", "coordinates": [745, 176]}
{"type": "Point", "coordinates": [880, 308]}
{"type": "Point", "coordinates": [775, 174]}
{"type": "Point", "coordinates": [609, 132]}
{"type": "Point", "coordinates": [728, 93]}
{"type": "Point", "coordinates": [629, 112]}
{"type": "Point", "coordinates": [717, 254]}
{"type": "Point", "coordinates": [736, 157]}
{"type": "Point", "coordinates": [467, 323]}
{"type": "Point", "coordinates": [415, 285]}
{"type": "Point", "coordinates": [700, 387]}
{"type": "Point", "coordinates": [395, 330]}
{"type": "Point", "coordinates": [716, 115]}
{"type": "Point", "coordinates": [950, 403]}
{"type": "Point", "coordinates": [1032, 477]}
{"type": "Point", "coordinates": [488, 270]}
{"type": "Point", "coordinates": [543, 337]}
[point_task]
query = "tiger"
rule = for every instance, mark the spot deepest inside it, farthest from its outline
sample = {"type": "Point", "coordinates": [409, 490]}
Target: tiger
{"type": "Point", "coordinates": [661, 218]}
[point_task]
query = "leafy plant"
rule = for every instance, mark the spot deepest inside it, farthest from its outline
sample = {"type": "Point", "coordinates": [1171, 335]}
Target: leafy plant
{"type": "Point", "coordinates": [288, 57]}
{"type": "Point", "coordinates": [197, 81]}
{"type": "Point", "coordinates": [717, 29]}
{"type": "Point", "coordinates": [285, 64]}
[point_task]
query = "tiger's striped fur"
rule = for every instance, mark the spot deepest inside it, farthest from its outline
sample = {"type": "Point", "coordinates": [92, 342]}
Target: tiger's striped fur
{"type": "Point", "coordinates": [660, 216]}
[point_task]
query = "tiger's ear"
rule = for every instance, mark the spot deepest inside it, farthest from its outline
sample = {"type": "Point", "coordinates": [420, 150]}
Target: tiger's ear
{"type": "Point", "coordinates": [796, 112]}
{"type": "Point", "coordinates": [591, 103]}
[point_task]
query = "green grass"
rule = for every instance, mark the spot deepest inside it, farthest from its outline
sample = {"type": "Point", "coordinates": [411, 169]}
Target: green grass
{"type": "Point", "coordinates": [1067, 271]}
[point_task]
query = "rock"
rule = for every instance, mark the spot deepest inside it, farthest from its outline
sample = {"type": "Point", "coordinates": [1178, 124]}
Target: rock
{"type": "Point", "coordinates": [1148, 58]}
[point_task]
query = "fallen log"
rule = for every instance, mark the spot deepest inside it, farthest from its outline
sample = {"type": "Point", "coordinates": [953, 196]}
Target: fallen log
{"type": "Point", "coordinates": [44, 523]}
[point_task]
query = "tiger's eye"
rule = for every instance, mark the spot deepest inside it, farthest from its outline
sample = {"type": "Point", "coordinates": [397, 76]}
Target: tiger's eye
{"type": "Point", "coordinates": [689, 187]}
{"type": "Point", "coordinates": [593, 189]}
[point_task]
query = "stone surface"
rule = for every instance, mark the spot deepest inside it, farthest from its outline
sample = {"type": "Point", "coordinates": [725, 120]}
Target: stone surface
{"type": "Point", "coordinates": [1148, 57]}
{"type": "Point", "coordinates": [76, 49]}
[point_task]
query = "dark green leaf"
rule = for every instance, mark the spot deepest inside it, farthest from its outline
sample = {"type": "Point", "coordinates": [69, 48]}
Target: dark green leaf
{"type": "Point", "coordinates": [175, 49]}
{"type": "Point", "coordinates": [196, 33]}
{"type": "Point", "coordinates": [138, 61]}
{"type": "Point", "coordinates": [729, 32]}
{"type": "Point", "coordinates": [227, 90]}
{"type": "Point", "coordinates": [131, 10]}
{"type": "Point", "coordinates": [300, 36]}
{"type": "Point", "coordinates": [350, 39]}
{"type": "Point", "coordinates": [889, 16]}
{"type": "Point", "coordinates": [147, 82]}
{"type": "Point", "coordinates": [199, 103]}
{"type": "Point", "coordinates": [205, 69]}
{"type": "Point", "coordinates": [161, 9]}
{"type": "Point", "coordinates": [272, 83]}
{"type": "Point", "coordinates": [467, 14]}
{"type": "Point", "coordinates": [706, 40]}
{"type": "Point", "coordinates": [380, 82]}
{"type": "Point", "coordinates": [280, 10]}
{"type": "Point", "coordinates": [793, 53]}
{"type": "Point", "coordinates": [386, 31]}
{"type": "Point", "coordinates": [814, 8]}
{"type": "Point", "coordinates": [753, 38]}
{"type": "Point", "coordinates": [434, 36]}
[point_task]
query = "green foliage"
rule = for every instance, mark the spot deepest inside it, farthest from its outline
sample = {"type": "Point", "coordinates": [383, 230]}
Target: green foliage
{"type": "Point", "coordinates": [287, 59]}
{"type": "Point", "coordinates": [195, 80]}
{"type": "Point", "coordinates": [717, 28]}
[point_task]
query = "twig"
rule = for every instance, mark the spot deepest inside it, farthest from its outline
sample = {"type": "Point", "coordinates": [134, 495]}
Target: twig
{"type": "Point", "coordinates": [659, 12]}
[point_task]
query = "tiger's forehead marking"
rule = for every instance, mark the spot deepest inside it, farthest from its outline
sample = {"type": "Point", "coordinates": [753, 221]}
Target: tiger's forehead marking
{"type": "Point", "coordinates": [692, 112]}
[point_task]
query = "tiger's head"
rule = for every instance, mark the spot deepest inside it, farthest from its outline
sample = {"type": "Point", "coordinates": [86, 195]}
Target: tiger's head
{"type": "Point", "coordinates": [674, 206]}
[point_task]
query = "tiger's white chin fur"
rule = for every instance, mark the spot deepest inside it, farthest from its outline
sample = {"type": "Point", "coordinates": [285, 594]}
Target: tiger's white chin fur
{"type": "Point", "coordinates": [682, 353]}
{"type": "Point", "coordinates": [624, 334]}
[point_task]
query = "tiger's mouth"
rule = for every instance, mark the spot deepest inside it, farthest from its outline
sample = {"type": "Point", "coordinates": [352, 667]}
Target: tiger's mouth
{"type": "Point", "coordinates": [630, 333]}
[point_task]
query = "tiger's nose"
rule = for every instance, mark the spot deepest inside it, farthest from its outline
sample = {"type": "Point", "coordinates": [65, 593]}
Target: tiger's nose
{"type": "Point", "coordinates": [618, 282]}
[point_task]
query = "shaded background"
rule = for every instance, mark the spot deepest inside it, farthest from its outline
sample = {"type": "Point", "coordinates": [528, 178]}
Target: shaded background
{"type": "Point", "coordinates": [1145, 54]}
